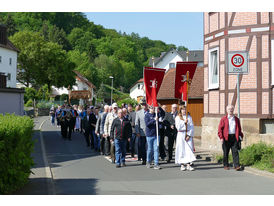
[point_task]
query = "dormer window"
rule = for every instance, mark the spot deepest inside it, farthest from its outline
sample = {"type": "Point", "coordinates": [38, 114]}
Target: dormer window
{"type": "Point", "coordinates": [171, 65]}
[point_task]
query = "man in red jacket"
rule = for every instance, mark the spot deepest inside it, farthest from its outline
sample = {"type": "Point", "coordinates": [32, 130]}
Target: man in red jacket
{"type": "Point", "coordinates": [230, 132]}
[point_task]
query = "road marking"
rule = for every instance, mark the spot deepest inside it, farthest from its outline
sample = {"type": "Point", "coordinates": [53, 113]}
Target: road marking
{"type": "Point", "coordinates": [49, 175]}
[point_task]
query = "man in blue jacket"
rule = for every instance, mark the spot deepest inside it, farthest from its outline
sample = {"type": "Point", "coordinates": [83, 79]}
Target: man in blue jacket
{"type": "Point", "coordinates": [151, 136]}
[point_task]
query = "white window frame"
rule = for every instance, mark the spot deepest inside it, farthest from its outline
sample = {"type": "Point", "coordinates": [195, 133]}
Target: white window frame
{"type": "Point", "coordinates": [272, 61]}
{"type": "Point", "coordinates": [210, 84]}
{"type": "Point", "coordinates": [172, 64]}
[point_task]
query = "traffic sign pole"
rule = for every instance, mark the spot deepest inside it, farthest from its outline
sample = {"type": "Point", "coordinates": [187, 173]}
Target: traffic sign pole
{"type": "Point", "coordinates": [238, 94]}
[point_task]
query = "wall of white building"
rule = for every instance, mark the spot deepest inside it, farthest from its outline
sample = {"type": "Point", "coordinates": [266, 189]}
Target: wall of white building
{"type": "Point", "coordinates": [171, 57]}
{"type": "Point", "coordinates": [8, 65]}
{"type": "Point", "coordinates": [136, 92]}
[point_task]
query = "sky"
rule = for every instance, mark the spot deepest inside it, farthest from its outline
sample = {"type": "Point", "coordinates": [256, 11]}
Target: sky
{"type": "Point", "coordinates": [179, 28]}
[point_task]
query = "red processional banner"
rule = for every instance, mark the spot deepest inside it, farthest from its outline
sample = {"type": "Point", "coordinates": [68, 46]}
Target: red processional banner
{"type": "Point", "coordinates": [153, 78]}
{"type": "Point", "coordinates": [180, 79]}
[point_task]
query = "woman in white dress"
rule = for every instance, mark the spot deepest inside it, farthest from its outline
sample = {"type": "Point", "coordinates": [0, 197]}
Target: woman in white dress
{"type": "Point", "coordinates": [78, 119]}
{"type": "Point", "coordinates": [184, 154]}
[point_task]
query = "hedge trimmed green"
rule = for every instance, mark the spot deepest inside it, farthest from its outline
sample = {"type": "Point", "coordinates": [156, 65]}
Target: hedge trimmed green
{"type": "Point", "coordinates": [16, 146]}
{"type": "Point", "coordinates": [258, 155]}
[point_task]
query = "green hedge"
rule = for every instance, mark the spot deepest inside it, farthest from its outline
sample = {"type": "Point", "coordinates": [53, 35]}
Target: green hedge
{"type": "Point", "coordinates": [258, 155]}
{"type": "Point", "coordinates": [16, 146]}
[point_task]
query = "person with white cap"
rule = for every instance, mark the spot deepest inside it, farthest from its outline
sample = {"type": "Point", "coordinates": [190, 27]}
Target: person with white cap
{"type": "Point", "coordinates": [140, 129]}
{"type": "Point", "coordinates": [107, 127]}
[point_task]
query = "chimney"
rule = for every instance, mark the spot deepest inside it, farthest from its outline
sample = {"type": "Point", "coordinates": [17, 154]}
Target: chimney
{"type": "Point", "coordinates": [3, 34]}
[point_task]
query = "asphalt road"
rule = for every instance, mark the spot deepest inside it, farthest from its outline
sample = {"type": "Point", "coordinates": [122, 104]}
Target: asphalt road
{"type": "Point", "coordinates": [78, 170]}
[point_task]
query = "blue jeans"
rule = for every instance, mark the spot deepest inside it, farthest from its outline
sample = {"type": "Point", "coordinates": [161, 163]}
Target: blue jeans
{"type": "Point", "coordinates": [52, 119]}
{"type": "Point", "coordinates": [96, 140]}
{"type": "Point", "coordinates": [152, 148]}
{"type": "Point", "coordinates": [120, 151]}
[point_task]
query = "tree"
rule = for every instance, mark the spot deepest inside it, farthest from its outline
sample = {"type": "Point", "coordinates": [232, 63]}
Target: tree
{"type": "Point", "coordinates": [42, 62]}
{"type": "Point", "coordinates": [55, 34]}
{"type": "Point", "coordinates": [10, 24]}
{"type": "Point", "coordinates": [182, 48]}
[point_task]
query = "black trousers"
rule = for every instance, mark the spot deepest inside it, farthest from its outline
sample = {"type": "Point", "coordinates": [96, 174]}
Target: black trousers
{"type": "Point", "coordinates": [168, 144]}
{"type": "Point", "coordinates": [88, 135]}
{"type": "Point", "coordinates": [142, 154]}
{"type": "Point", "coordinates": [63, 129]}
{"type": "Point", "coordinates": [107, 146]}
{"type": "Point", "coordinates": [102, 144]}
{"type": "Point", "coordinates": [162, 153]}
{"type": "Point", "coordinates": [227, 145]}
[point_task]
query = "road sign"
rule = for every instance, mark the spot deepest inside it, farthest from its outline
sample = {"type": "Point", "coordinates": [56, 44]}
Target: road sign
{"type": "Point", "coordinates": [237, 62]}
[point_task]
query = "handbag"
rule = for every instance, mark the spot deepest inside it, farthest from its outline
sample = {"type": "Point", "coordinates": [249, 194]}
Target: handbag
{"type": "Point", "coordinates": [239, 143]}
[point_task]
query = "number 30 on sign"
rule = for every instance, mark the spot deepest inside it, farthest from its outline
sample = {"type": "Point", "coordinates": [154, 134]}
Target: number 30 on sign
{"type": "Point", "coordinates": [237, 62]}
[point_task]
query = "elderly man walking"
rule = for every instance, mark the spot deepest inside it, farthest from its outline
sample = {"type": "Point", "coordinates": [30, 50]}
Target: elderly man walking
{"type": "Point", "coordinates": [119, 133]}
{"type": "Point", "coordinates": [100, 129]}
{"type": "Point", "coordinates": [230, 132]}
{"type": "Point", "coordinates": [109, 119]}
{"type": "Point", "coordinates": [140, 129]}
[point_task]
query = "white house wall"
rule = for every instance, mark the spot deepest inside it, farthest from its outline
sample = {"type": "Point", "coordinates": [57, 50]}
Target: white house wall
{"type": "Point", "coordinates": [171, 57]}
{"type": "Point", "coordinates": [6, 68]}
{"type": "Point", "coordinates": [135, 92]}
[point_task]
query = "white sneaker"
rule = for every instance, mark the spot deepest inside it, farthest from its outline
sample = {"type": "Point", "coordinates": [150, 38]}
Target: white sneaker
{"type": "Point", "coordinates": [183, 168]}
{"type": "Point", "coordinates": [189, 168]}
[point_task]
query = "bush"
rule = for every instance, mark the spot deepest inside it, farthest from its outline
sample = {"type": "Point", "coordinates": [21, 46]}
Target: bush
{"type": "Point", "coordinates": [16, 145]}
{"type": "Point", "coordinates": [127, 101]}
{"type": "Point", "coordinates": [29, 103]}
{"type": "Point", "coordinates": [256, 153]}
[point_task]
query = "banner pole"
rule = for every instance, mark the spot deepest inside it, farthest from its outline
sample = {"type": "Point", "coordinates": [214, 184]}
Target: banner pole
{"type": "Point", "coordinates": [187, 81]}
{"type": "Point", "coordinates": [157, 126]}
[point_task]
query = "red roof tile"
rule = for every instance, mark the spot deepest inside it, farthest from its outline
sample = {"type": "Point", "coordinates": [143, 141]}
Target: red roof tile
{"type": "Point", "coordinates": [196, 88]}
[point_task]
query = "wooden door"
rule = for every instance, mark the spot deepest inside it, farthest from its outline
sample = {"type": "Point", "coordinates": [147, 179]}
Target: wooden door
{"type": "Point", "coordinates": [196, 110]}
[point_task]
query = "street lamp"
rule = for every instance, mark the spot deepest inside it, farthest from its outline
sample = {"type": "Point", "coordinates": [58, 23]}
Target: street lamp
{"type": "Point", "coordinates": [152, 58]}
{"type": "Point", "coordinates": [111, 77]}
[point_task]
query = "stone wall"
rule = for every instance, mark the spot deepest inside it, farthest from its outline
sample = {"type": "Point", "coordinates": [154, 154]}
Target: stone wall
{"type": "Point", "coordinates": [250, 128]}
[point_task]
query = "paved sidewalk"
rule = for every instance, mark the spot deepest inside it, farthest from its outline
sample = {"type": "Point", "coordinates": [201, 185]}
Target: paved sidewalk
{"type": "Point", "coordinates": [39, 181]}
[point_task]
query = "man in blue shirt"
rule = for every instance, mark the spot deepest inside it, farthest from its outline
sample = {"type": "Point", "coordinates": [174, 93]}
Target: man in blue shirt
{"type": "Point", "coordinates": [151, 136]}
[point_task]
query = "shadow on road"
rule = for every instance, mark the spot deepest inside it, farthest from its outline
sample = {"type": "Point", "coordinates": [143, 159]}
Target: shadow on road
{"type": "Point", "coordinates": [75, 186]}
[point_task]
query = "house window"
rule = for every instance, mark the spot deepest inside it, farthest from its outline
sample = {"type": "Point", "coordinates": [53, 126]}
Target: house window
{"type": "Point", "coordinates": [10, 61]}
{"type": "Point", "coordinates": [138, 86]}
{"type": "Point", "coordinates": [213, 68]}
{"type": "Point", "coordinates": [0, 59]}
{"type": "Point", "coordinates": [272, 60]}
{"type": "Point", "coordinates": [171, 65]}
{"type": "Point", "coordinates": [9, 76]}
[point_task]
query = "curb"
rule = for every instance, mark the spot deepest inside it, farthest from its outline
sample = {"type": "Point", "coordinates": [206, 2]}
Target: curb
{"type": "Point", "coordinates": [247, 169]}
{"type": "Point", "coordinates": [259, 172]}
{"type": "Point", "coordinates": [49, 176]}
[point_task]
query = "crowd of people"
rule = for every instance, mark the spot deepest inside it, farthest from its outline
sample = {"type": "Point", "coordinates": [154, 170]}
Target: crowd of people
{"type": "Point", "coordinates": [116, 131]}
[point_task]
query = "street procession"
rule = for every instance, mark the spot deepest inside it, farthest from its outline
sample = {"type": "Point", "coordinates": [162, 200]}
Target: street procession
{"type": "Point", "coordinates": [148, 130]}
{"type": "Point", "coordinates": [137, 103]}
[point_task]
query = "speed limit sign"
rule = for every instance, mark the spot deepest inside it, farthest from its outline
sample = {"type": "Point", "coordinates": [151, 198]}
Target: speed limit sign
{"type": "Point", "coordinates": [237, 62]}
